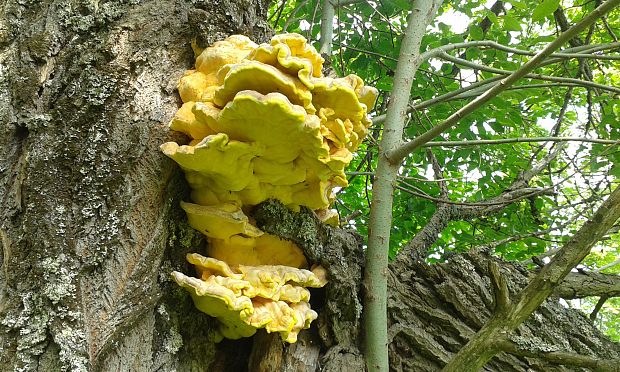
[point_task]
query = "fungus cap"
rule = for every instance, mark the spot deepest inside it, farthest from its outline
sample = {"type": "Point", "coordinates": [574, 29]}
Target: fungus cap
{"type": "Point", "coordinates": [185, 121]}
{"type": "Point", "coordinates": [261, 78]}
{"type": "Point", "coordinates": [221, 221]}
{"type": "Point", "coordinates": [265, 249]}
{"type": "Point", "coordinates": [231, 50]}
{"type": "Point", "coordinates": [292, 54]}
{"type": "Point", "coordinates": [215, 162]}
{"type": "Point", "coordinates": [193, 84]}
{"type": "Point", "coordinates": [270, 297]}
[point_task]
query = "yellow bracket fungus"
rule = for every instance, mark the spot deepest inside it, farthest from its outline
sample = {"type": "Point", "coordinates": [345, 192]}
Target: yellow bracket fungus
{"type": "Point", "coordinates": [264, 124]}
{"type": "Point", "coordinates": [270, 297]}
{"type": "Point", "coordinates": [220, 221]}
{"type": "Point", "coordinates": [261, 250]}
{"type": "Point", "coordinates": [261, 78]}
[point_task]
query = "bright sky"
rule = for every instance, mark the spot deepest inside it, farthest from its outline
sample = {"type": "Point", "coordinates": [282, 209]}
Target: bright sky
{"type": "Point", "coordinates": [457, 21]}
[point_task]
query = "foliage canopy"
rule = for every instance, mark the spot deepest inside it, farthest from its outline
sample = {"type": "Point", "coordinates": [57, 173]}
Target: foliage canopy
{"type": "Point", "coordinates": [566, 97]}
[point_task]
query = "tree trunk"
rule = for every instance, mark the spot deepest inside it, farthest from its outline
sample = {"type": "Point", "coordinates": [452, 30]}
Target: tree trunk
{"type": "Point", "coordinates": [435, 309]}
{"type": "Point", "coordinates": [90, 224]}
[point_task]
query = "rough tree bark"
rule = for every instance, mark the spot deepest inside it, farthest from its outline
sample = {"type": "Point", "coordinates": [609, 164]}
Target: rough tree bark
{"type": "Point", "coordinates": [89, 217]}
{"type": "Point", "coordinates": [90, 224]}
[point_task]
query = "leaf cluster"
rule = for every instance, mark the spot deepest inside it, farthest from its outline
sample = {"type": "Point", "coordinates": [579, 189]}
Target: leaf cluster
{"type": "Point", "coordinates": [366, 42]}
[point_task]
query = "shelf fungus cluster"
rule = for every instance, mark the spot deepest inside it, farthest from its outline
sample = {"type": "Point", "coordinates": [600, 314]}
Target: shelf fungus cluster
{"type": "Point", "coordinates": [264, 124]}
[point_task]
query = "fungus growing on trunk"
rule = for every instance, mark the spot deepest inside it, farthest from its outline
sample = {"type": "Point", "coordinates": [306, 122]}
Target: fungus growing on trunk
{"type": "Point", "coordinates": [265, 124]}
{"type": "Point", "coordinates": [271, 297]}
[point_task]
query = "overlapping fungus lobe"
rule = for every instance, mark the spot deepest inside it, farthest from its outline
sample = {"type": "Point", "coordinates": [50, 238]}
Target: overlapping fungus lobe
{"type": "Point", "coordinates": [264, 124]}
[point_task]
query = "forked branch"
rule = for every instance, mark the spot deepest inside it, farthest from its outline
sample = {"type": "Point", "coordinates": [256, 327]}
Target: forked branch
{"type": "Point", "coordinates": [485, 344]}
{"type": "Point", "coordinates": [396, 155]}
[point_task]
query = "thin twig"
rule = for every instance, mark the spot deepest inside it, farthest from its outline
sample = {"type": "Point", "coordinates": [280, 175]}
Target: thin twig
{"type": "Point", "coordinates": [518, 140]}
{"type": "Point", "coordinates": [604, 267]}
{"type": "Point", "coordinates": [494, 70]}
{"type": "Point", "coordinates": [597, 308]}
{"type": "Point", "coordinates": [397, 154]}
{"type": "Point", "coordinates": [566, 53]}
{"type": "Point", "coordinates": [291, 17]}
{"type": "Point", "coordinates": [560, 357]}
{"type": "Point", "coordinates": [531, 191]}
{"type": "Point", "coordinates": [342, 3]}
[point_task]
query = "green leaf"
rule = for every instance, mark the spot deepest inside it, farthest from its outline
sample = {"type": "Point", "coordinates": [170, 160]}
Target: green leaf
{"type": "Point", "coordinates": [547, 7]}
{"type": "Point", "coordinates": [517, 4]}
{"type": "Point", "coordinates": [544, 39]}
{"type": "Point", "coordinates": [402, 4]}
{"type": "Point", "coordinates": [446, 68]}
{"type": "Point", "coordinates": [476, 32]}
{"type": "Point", "coordinates": [472, 53]}
{"type": "Point", "coordinates": [456, 39]}
{"type": "Point", "coordinates": [497, 127]}
{"type": "Point", "coordinates": [597, 165]}
{"type": "Point", "coordinates": [384, 84]}
{"type": "Point", "coordinates": [490, 15]}
{"type": "Point", "coordinates": [511, 23]}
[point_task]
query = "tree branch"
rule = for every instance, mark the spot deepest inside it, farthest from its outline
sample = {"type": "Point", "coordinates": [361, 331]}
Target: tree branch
{"type": "Point", "coordinates": [559, 357]}
{"type": "Point", "coordinates": [485, 344]}
{"type": "Point", "coordinates": [566, 53]}
{"type": "Point", "coordinates": [328, 13]}
{"type": "Point", "coordinates": [450, 211]}
{"type": "Point", "coordinates": [492, 245]}
{"type": "Point", "coordinates": [376, 270]}
{"type": "Point", "coordinates": [477, 66]}
{"type": "Point", "coordinates": [515, 140]}
{"type": "Point", "coordinates": [443, 188]}
{"type": "Point", "coordinates": [500, 289]}
{"type": "Point", "coordinates": [611, 264]}
{"type": "Point", "coordinates": [504, 199]}
{"type": "Point", "coordinates": [481, 86]}
{"type": "Point", "coordinates": [597, 307]}
{"type": "Point", "coordinates": [588, 283]}
{"type": "Point", "coordinates": [396, 155]}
